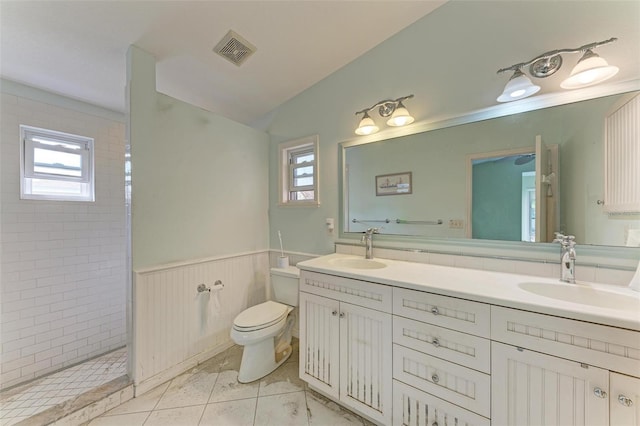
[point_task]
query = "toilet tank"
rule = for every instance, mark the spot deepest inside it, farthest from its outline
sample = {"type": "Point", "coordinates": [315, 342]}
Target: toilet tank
{"type": "Point", "coordinates": [285, 285]}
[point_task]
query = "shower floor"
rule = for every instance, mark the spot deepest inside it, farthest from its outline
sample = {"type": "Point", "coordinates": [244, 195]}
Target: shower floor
{"type": "Point", "coordinates": [25, 401]}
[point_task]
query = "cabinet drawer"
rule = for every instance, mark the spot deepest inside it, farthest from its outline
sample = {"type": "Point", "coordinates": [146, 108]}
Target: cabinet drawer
{"type": "Point", "coordinates": [361, 293]}
{"type": "Point", "coordinates": [414, 407]}
{"type": "Point", "coordinates": [461, 348]}
{"type": "Point", "coordinates": [457, 314]}
{"type": "Point", "coordinates": [598, 345]}
{"type": "Point", "coordinates": [459, 385]}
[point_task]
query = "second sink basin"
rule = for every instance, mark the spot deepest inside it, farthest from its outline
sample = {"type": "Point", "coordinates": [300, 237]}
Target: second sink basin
{"type": "Point", "coordinates": [584, 295]}
{"type": "Point", "coordinates": [357, 263]}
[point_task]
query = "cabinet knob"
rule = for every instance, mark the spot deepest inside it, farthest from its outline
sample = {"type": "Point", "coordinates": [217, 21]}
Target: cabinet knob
{"type": "Point", "coordinates": [341, 314]}
{"type": "Point", "coordinates": [435, 310]}
{"type": "Point", "coordinates": [627, 402]}
{"type": "Point", "coordinates": [334, 313]}
{"type": "Point", "coordinates": [599, 393]}
{"type": "Point", "coordinates": [435, 378]}
{"type": "Point", "coordinates": [435, 342]}
{"type": "Point", "coordinates": [434, 424]}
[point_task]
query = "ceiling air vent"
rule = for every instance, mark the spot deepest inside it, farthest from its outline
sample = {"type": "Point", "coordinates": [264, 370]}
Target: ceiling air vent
{"type": "Point", "coordinates": [234, 48]}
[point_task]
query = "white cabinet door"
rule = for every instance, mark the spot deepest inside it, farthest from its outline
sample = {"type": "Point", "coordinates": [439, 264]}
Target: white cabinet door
{"type": "Point", "coordinates": [412, 407]}
{"type": "Point", "coordinates": [365, 361]}
{"type": "Point", "coordinates": [319, 340]}
{"type": "Point", "coordinates": [624, 401]}
{"type": "Point", "coordinates": [530, 388]}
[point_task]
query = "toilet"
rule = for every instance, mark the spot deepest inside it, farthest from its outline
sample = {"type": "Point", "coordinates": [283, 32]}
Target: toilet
{"type": "Point", "coordinates": [265, 329]}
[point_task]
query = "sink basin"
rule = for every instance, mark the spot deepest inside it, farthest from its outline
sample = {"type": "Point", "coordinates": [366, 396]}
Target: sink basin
{"type": "Point", "coordinates": [583, 295]}
{"type": "Point", "coordinates": [357, 263]}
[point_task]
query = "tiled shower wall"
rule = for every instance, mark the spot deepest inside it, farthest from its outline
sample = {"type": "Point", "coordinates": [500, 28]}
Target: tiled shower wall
{"type": "Point", "coordinates": [63, 263]}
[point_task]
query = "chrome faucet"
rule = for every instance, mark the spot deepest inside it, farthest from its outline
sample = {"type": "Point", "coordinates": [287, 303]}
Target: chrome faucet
{"type": "Point", "coordinates": [367, 240]}
{"type": "Point", "coordinates": [567, 257]}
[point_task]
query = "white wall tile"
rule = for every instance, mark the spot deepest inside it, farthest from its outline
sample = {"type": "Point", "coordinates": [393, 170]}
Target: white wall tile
{"type": "Point", "coordinates": [45, 256]}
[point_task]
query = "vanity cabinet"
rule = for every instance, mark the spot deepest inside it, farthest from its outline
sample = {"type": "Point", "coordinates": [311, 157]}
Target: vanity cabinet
{"type": "Point", "coordinates": [345, 342]}
{"type": "Point", "coordinates": [408, 356]}
{"type": "Point", "coordinates": [555, 371]}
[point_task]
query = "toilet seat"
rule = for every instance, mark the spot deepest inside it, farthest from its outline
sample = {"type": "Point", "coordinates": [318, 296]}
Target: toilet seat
{"type": "Point", "coordinates": [260, 316]}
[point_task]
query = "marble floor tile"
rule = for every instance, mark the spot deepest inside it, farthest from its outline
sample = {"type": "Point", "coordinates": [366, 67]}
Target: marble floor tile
{"type": "Point", "coordinates": [282, 380]}
{"type": "Point", "coordinates": [132, 419]}
{"type": "Point", "coordinates": [144, 402]}
{"type": "Point", "coordinates": [191, 388]}
{"type": "Point", "coordinates": [289, 409]}
{"type": "Point", "coordinates": [323, 412]}
{"type": "Point", "coordinates": [279, 399]}
{"type": "Point", "coordinates": [182, 416]}
{"type": "Point", "coordinates": [212, 365]}
{"type": "Point", "coordinates": [232, 360]}
{"type": "Point", "coordinates": [227, 388]}
{"type": "Point", "coordinates": [230, 413]}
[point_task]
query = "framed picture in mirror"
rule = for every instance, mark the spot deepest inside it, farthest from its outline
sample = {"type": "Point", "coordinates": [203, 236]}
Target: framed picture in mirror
{"type": "Point", "coordinates": [394, 184]}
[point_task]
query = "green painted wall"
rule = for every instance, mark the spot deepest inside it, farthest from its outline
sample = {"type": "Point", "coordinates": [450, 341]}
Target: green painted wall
{"type": "Point", "coordinates": [408, 62]}
{"type": "Point", "coordinates": [497, 199]}
{"type": "Point", "coordinates": [199, 180]}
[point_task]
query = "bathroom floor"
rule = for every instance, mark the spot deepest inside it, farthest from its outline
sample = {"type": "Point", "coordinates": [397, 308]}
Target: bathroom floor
{"type": "Point", "coordinates": [210, 394]}
{"type": "Point", "coordinates": [26, 401]}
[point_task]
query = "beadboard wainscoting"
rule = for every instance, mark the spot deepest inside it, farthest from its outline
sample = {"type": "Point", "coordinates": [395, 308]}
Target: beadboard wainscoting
{"type": "Point", "coordinates": [175, 327]}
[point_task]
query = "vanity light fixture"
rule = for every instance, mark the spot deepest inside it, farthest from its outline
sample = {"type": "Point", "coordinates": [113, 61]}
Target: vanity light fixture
{"type": "Point", "coordinates": [591, 69]}
{"type": "Point", "coordinates": [394, 109]}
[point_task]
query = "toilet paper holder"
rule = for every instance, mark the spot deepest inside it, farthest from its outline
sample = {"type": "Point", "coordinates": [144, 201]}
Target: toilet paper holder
{"type": "Point", "coordinates": [217, 286]}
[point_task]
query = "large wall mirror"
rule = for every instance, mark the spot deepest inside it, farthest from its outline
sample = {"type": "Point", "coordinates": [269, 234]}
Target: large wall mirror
{"type": "Point", "coordinates": [514, 178]}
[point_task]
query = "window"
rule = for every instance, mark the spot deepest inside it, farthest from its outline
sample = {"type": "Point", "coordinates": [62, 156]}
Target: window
{"type": "Point", "coordinates": [298, 162]}
{"type": "Point", "coordinates": [55, 165]}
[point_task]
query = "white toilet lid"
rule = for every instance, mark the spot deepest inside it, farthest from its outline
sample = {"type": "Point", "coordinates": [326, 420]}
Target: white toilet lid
{"type": "Point", "coordinates": [261, 315]}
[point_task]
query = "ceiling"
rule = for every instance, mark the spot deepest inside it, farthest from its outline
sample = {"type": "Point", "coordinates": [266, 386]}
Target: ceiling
{"type": "Point", "coordinates": [78, 48]}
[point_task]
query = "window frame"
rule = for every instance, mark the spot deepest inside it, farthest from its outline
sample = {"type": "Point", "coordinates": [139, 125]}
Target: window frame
{"type": "Point", "coordinates": [286, 150]}
{"type": "Point", "coordinates": [84, 147]}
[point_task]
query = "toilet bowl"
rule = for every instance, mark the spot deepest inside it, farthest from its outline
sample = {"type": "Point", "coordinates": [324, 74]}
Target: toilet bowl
{"type": "Point", "coordinates": [264, 330]}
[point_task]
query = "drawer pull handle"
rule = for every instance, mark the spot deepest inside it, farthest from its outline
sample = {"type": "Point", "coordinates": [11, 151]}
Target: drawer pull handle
{"type": "Point", "coordinates": [435, 342]}
{"type": "Point", "coordinates": [599, 393]}
{"type": "Point", "coordinates": [627, 402]}
{"type": "Point", "coordinates": [435, 378]}
{"type": "Point", "coordinates": [435, 310]}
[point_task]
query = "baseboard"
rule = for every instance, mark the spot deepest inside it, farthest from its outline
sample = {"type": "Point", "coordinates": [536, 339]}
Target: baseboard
{"type": "Point", "coordinates": [176, 370]}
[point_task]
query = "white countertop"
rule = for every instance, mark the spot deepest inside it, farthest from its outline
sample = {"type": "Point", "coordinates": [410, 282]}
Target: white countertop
{"type": "Point", "coordinates": [496, 288]}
